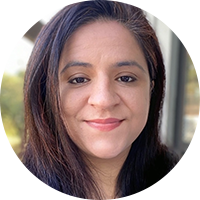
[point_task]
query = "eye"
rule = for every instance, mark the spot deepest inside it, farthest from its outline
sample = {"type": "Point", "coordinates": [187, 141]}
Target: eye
{"type": "Point", "coordinates": [126, 79]}
{"type": "Point", "coordinates": [78, 80]}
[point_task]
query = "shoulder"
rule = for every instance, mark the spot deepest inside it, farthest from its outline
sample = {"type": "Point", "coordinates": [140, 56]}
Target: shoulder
{"type": "Point", "coordinates": [185, 184]}
{"type": "Point", "coordinates": [9, 187]}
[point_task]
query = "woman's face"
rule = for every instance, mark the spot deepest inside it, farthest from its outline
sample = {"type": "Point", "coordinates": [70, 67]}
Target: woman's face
{"type": "Point", "coordinates": [104, 88]}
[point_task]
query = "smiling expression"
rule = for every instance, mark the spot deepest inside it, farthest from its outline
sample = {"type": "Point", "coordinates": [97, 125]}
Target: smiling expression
{"type": "Point", "coordinates": [104, 89]}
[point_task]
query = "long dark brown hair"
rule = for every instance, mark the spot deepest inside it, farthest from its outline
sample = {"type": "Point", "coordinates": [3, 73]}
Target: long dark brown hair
{"type": "Point", "coordinates": [48, 152]}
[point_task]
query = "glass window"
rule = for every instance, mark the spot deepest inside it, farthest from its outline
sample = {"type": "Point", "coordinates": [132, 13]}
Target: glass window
{"type": "Point", "coordinates": [191, 102]}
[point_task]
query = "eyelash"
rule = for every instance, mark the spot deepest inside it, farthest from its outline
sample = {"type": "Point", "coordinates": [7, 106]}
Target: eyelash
{"type": "Point", "coordinates": [82, 80]}
{"type": "Point", "coordinates": [78, 80]}
{"type": "Point", "coordinates": [128, 79]}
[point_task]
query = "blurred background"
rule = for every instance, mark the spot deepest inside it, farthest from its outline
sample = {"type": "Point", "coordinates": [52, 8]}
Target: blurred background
{"type": "Point", "coordinates": [181, 106]}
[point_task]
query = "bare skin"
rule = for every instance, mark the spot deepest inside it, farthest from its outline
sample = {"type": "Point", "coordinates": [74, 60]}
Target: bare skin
{"type": "Point", "coordinates": [105, 95]}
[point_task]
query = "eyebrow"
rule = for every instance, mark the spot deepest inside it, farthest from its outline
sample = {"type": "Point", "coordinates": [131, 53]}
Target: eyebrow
{"type": "Point", "coordinates": [118, 64]}
{"type": "Point", "coordinates": [73, 64]}
{"type": "Point", "coordinates": [129, 63]}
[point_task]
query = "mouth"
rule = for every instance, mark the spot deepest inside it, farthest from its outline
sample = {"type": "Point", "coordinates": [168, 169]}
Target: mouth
{"type": "Point", "coordinates": [105, 125]}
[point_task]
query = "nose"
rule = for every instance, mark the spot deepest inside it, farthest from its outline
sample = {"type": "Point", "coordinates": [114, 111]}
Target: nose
{"type": "Point", "coordinates": [103, 95]}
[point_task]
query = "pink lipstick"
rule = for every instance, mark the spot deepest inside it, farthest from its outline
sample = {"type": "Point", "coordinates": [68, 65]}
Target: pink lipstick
{"type": "Point", "coordinates": [104, 125]}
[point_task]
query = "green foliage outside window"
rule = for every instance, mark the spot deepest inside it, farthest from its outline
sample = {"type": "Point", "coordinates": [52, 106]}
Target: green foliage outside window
{"type": "Point", "coordinates": [12, 108]}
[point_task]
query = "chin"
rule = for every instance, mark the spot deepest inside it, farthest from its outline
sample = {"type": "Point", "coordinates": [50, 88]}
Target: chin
{"type": "Point", "coordinates": [109, 153]}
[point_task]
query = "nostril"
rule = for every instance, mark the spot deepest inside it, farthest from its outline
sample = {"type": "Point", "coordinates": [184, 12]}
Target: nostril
{"type": "Point", "coordinates": [103, 98]}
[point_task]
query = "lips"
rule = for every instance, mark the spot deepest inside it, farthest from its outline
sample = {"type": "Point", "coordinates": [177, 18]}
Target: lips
{"type": "Point", "coordinates": [104, 125]}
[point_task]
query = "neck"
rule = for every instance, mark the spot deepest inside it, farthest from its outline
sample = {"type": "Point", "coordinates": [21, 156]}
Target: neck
{"type": "Point", "coordinates": [106, 171]}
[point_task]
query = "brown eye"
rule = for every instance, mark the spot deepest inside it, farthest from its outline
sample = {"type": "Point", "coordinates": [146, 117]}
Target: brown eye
{"type": "Point", "coordinates": [78, 80]}
{"type": "Point", "coordinates": [126, 79]}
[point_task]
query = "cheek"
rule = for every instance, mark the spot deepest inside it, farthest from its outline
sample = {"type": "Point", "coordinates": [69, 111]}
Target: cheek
{"type": "Point", "coordinates": [138, 98]}
{"type": "Point", "coordinates": [137, 101]}
{"type": "Point", "coordinates": [71, 102]}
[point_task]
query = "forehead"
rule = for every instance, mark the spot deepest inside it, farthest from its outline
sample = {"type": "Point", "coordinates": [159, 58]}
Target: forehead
{"type": "Point", "coordinates": [101, 39]}
{"type": "Point", "coordinates": [101, 31]}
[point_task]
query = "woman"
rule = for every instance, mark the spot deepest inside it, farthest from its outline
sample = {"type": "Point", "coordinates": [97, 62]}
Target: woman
{"type": "Point", "coordinates": [94, 89]}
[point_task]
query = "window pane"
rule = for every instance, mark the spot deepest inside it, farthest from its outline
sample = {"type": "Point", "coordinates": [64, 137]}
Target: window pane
{"type": "Point", "coordinates": [191, 101]}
